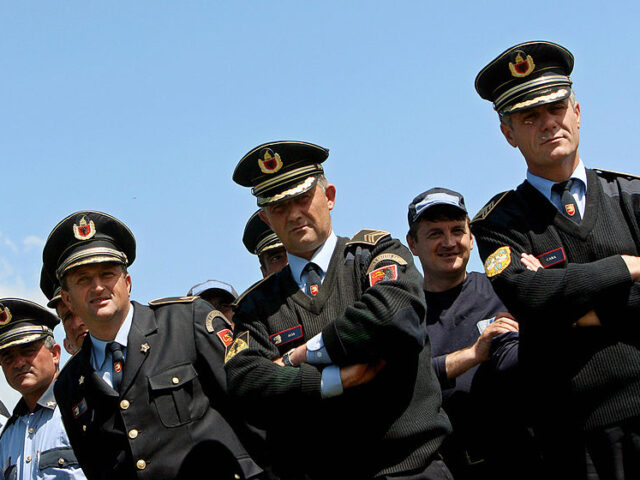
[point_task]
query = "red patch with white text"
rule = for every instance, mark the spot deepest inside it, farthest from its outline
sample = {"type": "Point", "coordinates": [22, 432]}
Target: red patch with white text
{"type": "Point", "coordinates": [390, 272]}
{"type": "Point", "coordinates": [225, 336]}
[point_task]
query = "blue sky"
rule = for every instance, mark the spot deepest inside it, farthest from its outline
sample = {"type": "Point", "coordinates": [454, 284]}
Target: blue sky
{"type": "Point", "coordinates": [143, 109]}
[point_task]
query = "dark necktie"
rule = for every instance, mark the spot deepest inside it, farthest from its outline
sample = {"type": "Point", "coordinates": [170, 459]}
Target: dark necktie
{"type": "Point", "coordinates": [569, 206]}
{"type": "Point", "coordinates": [118, 364]}
{"type": "Point", "coordinates": [313, 279]}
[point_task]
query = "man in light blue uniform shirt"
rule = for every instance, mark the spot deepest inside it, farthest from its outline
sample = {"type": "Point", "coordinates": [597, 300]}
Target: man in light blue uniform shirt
{"type": "Point", "coordinates": [34, 444]}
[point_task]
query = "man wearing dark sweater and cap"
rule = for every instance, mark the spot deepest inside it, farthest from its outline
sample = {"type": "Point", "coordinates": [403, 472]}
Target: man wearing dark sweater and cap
{"type": "Point", "coordinates": [562, 252]}
{"type": "Point", "coordinates": [331, 354]}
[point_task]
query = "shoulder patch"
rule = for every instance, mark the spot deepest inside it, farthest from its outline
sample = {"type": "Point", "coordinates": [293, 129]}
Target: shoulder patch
{"type": "Point", "coordinates": [168, 300]}
{"type": "Point", "coordinates": [208, 322]}
{"type": "Point", "coordinates": [225, 336]}
{"type": "Point", "coordinates": [613, 173]}
{"type": "Point", "coordinates": [497, 261]}
{"type": "Point", "coordinates": [488, 208]}
{"type": "Point", "coordinates": [368, 237]}
{"type": "Point", "coordinates": [240, 343]}
{"type": "Point", "coordinates": [250, 289]}
{"type": "Point", "coordinates": [391, 257]}
{"type": "Point", "coordinates": [389, 272]}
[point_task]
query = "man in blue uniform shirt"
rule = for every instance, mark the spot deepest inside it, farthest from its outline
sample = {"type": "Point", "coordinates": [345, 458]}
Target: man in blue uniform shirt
{"type": "Point", "coordinates": [34, 444]}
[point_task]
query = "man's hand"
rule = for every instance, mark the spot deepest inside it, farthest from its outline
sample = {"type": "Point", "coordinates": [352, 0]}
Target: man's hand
{"type": "Point", "coordinates": [360, 373]}
{"type": "Point", "coordinates": [503, 323]}
{"type": "Point", "coordinates": [529, 261]}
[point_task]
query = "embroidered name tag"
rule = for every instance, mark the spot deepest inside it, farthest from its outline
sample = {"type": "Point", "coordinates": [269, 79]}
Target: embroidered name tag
{"type": "Point", "coordinates": [390, 272]}
{"type": "Point", "coordinates": [552, 257]}
{"type": "Point", "coordinates": [80, 408]}
{"type": "Point", "coordinates": [225, 336]}
{"type": "Point", "coordinates": [286, 336]}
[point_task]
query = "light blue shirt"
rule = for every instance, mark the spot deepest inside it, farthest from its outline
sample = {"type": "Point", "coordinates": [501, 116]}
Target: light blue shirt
{"type": "Point", "coordinates": [101, 359]}
{"type": "Point", "coordinates": [330, 384]}
{"type": "Point", "coordinates": [321, 257]}
{"type": "Point", "coordinates": [34, 443]}
{"type": "Point", "coordinates": [578, 189]}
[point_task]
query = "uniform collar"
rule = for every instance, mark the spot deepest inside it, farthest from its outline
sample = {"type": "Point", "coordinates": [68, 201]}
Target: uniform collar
{"type": "Point", "coordinates": [46, 400]}
{"type": "Point", "coordinates": [99, 347]}
{"type": "Point", "coordinates": [544, 186]}
{"type": "Point", "coordinates": [321, 257]}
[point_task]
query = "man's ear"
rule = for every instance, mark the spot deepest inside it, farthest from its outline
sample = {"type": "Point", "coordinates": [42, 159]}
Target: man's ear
{"type": "Point", "coordinates": [507, 131]}
{"type": "Point", "coordinates": [330, 192]}
{"type": "Point", "coordinates": [412, 244]}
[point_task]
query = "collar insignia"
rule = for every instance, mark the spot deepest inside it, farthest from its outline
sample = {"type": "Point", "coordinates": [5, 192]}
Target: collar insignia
{"type": "Point", "coordinates": [5, 315]}
{"type": "Point", "coordinates": [269, 162]}
{"type": "Point", "coordinates": [81, 380]}
{"type": "Point", "coordinates": [522, 67]}
{"type": "Point", "coordinates": [51, 404]}
{"type": "Point", "coordinates": [85, 230]}
{"type": "Point", "coordinates": [144, 348]}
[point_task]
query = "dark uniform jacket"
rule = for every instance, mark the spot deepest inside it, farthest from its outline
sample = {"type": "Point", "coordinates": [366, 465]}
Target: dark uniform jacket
{"type": "Point", "coordinates": [171, 417]}
{"type": "Point", "coordinates": [370, 307]}
{"type": "Point", "coordinates": [579, 378]}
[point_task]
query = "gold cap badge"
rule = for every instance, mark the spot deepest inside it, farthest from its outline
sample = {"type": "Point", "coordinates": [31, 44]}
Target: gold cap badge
{"type": "Point", "coordinates": [522, 67]}
{"type": "Point", "coordinates": [5, 315]}
{"type": "Point", "coordinates": [269, 162]}
{"type": "Point", "coordinates": [85, 230]}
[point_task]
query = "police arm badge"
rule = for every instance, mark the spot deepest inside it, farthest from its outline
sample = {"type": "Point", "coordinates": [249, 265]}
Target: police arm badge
{"type": "Point", "coordinates": [240, 343]}
{"type": "Point", "coordinates": [497, 261]}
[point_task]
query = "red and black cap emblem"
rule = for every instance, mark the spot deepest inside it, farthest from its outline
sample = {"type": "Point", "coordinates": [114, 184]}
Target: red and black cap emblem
{"type": "Point", "coordinates": [5, 315]}
{"type": "Point", "coordinates": [269, 161]}
{"type": "Point", "coordinates": [84, 230]}
{"type": "Point", "coordinates": [522, 66]}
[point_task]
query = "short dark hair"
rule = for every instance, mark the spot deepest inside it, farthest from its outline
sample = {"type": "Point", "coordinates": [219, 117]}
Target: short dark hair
{"type": "Point", "coordinates": [437, 213]}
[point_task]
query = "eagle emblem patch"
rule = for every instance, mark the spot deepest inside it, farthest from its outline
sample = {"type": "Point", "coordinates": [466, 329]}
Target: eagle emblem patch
{"type": "Point", "coordinates": [5, 315]}
{"type": "Point", "coordinates": [225, 336]}
{"type": "Point", "coordinates": [84, 231]}
{"type": "Point", "coordinates": [497, 261]}
{"type": "Point", "coordinates": [522, 67]}
{"type": "Point", "coordinates": [390, 272]}
{"type": "Point", "coordinates": [269, 162]}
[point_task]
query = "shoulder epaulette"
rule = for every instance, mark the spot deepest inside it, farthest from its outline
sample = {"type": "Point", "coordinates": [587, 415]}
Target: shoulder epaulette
{"type": "Point", "coordinates": [168, 300]}
{"type": "Point", "coordinates": [488, 208]}
{"type": "Point", "coordinates": [250, 289]}
{"type": "Point", "coordinates": [368, 237]}
{"type": "Point", "coordinates": [613, 173]}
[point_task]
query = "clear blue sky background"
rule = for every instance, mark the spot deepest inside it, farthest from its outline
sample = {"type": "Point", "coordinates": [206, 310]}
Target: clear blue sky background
{"type": "Point", "coordinates": [142, 110]}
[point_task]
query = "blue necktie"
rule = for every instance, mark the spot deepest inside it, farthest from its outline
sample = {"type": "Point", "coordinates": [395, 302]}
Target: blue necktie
{"type": "Point", "coordinates": [569, 206]}
{"type": "Point", "coordinates": [314, 279]}
{"type": "Point", "coordinates": [118, 364]}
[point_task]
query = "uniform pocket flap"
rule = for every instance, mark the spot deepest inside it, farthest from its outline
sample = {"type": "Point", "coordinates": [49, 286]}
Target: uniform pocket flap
{"type": "Point", "coordinates": [58, 458]}
{"type": "Point", "coordinates": [173, 378]}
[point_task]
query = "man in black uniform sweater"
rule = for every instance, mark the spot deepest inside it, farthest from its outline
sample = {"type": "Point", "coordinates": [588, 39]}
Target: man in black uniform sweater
{"type": "Point", "coordinates": [331, 354]}
{"type": "Point", "coordinates": [145, 397]}
{"type": "Point", "coordinates": [562, 252]}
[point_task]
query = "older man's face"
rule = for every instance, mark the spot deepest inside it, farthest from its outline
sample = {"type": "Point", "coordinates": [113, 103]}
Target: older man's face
{"type": "Point", "coordinates": [547, 136]}
{"type": "Point", "coordinates": [302, 223]}
{"type": "Point", "coordinates": [30, 368]}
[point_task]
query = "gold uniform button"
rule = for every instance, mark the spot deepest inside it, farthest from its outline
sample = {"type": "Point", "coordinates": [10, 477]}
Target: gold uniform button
{"type": "Point", "coordinates": [31, 431]}
{"type": "Point", "coordinates": [124, 404]}
{"type": "Point", "coordinates": [133, 433]}
{"type": "Point", "coordinates": [61, 461]}
{"type": "Point", "coordinates": [141, 464]}
{"type": "Point", "coordinates": [236, 476]}
{"type": "Point", "coordinates": [84, 428]}
{"type": "Point", "coordinates": [28, 458]}
{"type": "Point", "coordinates": [175, 380]}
